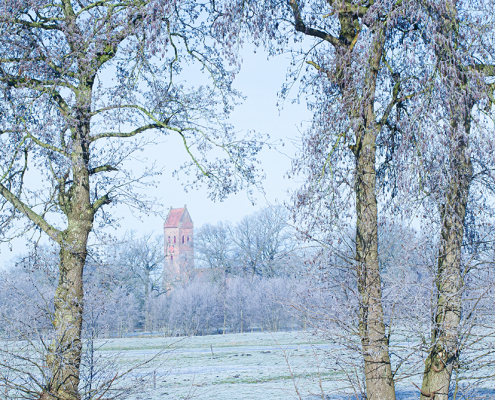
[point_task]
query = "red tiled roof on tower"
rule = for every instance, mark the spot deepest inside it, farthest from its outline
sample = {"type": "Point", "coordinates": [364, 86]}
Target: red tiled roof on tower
{"type": "Point", "coordinates": [173, 218]}
{"type": "Point", "coordinates": [178, 216]}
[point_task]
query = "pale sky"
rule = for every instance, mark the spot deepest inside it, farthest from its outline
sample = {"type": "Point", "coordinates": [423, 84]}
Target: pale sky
{"type": "Point", "coordinates": [259, 80]}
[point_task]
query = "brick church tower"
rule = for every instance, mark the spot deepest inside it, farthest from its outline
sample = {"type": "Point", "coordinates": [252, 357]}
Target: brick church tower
{"type": "Point", "coordinates": [179, 245]}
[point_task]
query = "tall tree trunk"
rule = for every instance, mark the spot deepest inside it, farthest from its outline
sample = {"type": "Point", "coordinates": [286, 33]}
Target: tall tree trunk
{"type": "Point", "coordinates": [374, 341]}
{"type": "Point", "coordinates": [360, 99]}
{"type": "Point", "coordinates": [444, 352]}
{"type": "Point", "coordinates": [64, 357]}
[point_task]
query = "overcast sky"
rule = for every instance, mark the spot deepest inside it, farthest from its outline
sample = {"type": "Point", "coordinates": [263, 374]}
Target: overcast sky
{"type": "Point", "coordinates": [259, 80]}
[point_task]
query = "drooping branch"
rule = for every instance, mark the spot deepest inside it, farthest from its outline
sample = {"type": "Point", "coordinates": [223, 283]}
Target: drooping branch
{"type": "Point", "coordinates": [196, 162]}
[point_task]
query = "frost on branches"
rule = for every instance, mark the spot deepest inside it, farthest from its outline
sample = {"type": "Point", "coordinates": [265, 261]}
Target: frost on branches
{"type": "Point", "coordinates": [86, 84]}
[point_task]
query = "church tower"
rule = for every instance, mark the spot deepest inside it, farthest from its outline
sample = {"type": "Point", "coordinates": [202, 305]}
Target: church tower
{"type": "Point", "coordinates": [179, 245]}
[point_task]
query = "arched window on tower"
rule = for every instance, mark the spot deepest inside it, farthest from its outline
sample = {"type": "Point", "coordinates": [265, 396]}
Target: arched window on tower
{"type": "Point", "coordinates": [182, 239]}
{"type": "Point", "coordinates": [169, 239]}
{"type": "Point", "coordinates": [188, 239]}
{"type": "Point", "coordinates": [174, 240]}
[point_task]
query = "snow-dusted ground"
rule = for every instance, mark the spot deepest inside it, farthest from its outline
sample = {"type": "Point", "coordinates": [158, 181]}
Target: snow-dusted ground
{"type": "Point", "coordinates": [261, 366]}
{"type": "Point", "coordinates": [231, 366]}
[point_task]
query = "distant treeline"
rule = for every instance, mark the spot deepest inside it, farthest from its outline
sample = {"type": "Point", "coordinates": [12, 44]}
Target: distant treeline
{"type": "Point", "coordinates": [199, 307]}
{"type": "Point", "coordinates": [203, 307]}
{"type": "Point", "coordinates": [247, 282]}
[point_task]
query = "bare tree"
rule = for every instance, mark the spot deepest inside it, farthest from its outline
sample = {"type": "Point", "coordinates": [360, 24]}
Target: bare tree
{"type": "Point", "coordinates": [265, 242]}
{"type": "Point", "coordinates": [214, 247]}
{"type": "Point", "coordinates": [143, 259]}
{"type": "Point", "coordinates": [358, 87]}
{"type": "Point", "coordinates": [194, 308]}
{"type": "Point", "coordinates": [83, 80]}
{"type": "Point", "coordinates": [261, 244]}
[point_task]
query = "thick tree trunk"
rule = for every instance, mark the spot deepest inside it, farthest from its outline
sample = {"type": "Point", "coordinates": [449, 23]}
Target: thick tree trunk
{"type": "Point", "coordinates": [374, 341]}
{"type": "Point", "coordinates": [444, 352]}
{"type": "Point", "coordinates": [64, 357]}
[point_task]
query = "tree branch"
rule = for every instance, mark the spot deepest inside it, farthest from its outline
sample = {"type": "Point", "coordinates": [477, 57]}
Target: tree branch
{"type": "Point", "coordinates": [301, 26]}
{"type": "Point", "coordinates": [37, 25]}
{"type": "Point", "coordinates": [320, 69]}
{"type": "Point", "coordinates": [157, 125]}
{"type": "Point", "coordinates": [128, 134]}
{"type": "Point", "coordinates": [54, 233]}
{"type": "Point", "coordinates": [41, 87]}
{"type": "Point", "coordinates": [102, 168]}
{"type": "Point", "coordinates": [45, 145]}
{"type": "Point", "coordinates": [395, 100]}
{"type": "Point", "coordinates": [101, 202]}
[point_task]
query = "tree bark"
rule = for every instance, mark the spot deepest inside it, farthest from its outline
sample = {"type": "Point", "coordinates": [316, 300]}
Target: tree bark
{"type": "Point", "coordinates": [374, 341]}
{"type": "Point", "coordinates": [64, 356]}
{"type": "Point", "coordinates": [445, 350]}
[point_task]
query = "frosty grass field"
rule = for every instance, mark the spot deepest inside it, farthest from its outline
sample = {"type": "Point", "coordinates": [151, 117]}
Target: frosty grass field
{"type": "Point", "coordinates": [242, 366]}
{"type": "Point", "coordinates": [231, 366]}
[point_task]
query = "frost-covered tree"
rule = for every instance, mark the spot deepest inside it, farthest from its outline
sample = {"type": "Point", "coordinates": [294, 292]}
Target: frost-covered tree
{"type": "Point", "coordinates": [456, 115]}
{"type": "Point", "coordinates": [213, 246]}
{"type": "Point", "coordinates": [356, 84]}
{"type": "Point", "coordinates": [264, 243]}
{"type": "Point", "coordinates": [84, 85]}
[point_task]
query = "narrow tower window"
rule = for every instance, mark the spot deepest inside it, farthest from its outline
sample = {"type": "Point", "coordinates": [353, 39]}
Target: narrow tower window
{"type": "Point", "coordinates": [174, 240]}
{"type": "Point", "coordinates": [169, 239]}
{"type": "Point", "coordinates": [188, 239]}
{"type": "Point", "coordinates": [182, 239]}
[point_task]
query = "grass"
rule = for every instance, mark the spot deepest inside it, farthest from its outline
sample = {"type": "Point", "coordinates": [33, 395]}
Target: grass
{"type": "Point", "coordinates": [242, 366]}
